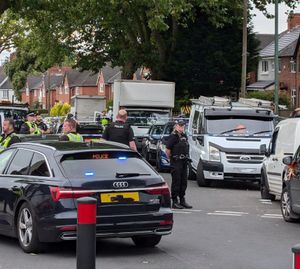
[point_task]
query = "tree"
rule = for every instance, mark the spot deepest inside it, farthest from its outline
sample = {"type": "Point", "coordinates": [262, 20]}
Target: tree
{"type": "Point", "coordinates": [207, 60]}
{"type": "Point", "coordinates": [60, 109]}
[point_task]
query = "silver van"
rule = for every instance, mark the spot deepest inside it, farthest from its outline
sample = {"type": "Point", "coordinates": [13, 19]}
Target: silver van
{"type": "Point", "coordinates": [225, 138]}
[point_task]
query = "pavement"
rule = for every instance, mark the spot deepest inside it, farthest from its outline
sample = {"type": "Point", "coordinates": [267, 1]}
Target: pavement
{"type": "Point", "coordinates": [230, 227]}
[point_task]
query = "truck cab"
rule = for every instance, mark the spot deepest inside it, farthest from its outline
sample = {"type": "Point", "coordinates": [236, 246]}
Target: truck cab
{"type": "Point", "coordinates": [225, 139]}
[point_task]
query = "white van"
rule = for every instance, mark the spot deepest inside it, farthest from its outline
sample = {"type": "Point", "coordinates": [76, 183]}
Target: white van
{"type": "Point", "coordinates": [285, 141]}
{"type": "Point", "coordinates": [225, 139]}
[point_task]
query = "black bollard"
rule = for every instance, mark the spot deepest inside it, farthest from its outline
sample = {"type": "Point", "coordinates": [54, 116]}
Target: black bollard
{"type": "Point", "coordinates": [296, 252]}
{"type": "Point", "coordinates": [86, 233]}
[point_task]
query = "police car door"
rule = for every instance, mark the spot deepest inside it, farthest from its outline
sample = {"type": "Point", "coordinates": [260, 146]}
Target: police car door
{"type": "Point", "coordinates": [195, 138]}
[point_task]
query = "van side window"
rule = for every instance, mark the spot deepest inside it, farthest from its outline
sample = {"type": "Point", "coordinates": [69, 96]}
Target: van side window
{"type": "Point", "coordinates": [195, 121]}
{"type": "Point", "coordinates": [273, 142]}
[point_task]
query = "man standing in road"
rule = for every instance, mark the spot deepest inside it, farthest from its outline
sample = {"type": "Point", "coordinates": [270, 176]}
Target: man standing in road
{"type": "Point", "coordinates": [8, 137]}
{"type": "Point", "coordinates": [120, 132]}
{"type": "Point", "coordinates": [29, 127]}
{"type": "Point", "coordinates": [41, 125]}
{"type": "Point", "coordinates": [178, 153]}
{"type": "Point", "coordinates": [69, 130]}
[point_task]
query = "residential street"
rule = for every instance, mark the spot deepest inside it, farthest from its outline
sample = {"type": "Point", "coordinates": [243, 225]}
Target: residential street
{"type": "Point", "coordinates": [229, 227]}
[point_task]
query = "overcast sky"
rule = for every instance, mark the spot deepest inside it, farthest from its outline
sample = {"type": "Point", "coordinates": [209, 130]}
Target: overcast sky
{"type": "Point", "coordinates": [263, 25]}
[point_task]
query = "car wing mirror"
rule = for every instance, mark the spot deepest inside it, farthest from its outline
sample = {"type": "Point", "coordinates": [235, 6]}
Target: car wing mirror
{"type": "Point", "coordinates": [200, 139]}
{"type": "Point", "coordinates": [263, 149]}
{"type": "Point", "coordinates": [287, 160]}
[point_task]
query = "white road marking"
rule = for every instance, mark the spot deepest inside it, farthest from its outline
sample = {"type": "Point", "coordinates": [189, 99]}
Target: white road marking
{"type": "Point", "coordinates": [271, 216]}
{"type": "Point", "coordinates": [193, 210]}
{"type": "Point", "coordinates": [265, 201]}
{"type": "Point", "coordinates": [232, 212]}
{"type": "Point", "coordinates": [180, 211]}
{"type": "Point", "coordinates": [224, 214]}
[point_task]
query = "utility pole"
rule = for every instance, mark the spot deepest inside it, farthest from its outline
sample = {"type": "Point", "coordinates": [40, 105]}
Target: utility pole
{"type": "Point", "coordinates": [276, 98]}
{"type": "Point", "coordinates": [48, 92]}
{"type": "Point", "coordinates": [244, 54]}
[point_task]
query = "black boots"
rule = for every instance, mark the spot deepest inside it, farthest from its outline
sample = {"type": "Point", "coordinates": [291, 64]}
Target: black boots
{"type": "Point", "coordinates": [176, 204]}
{"type": "Point", "coordinates": [184, 204]}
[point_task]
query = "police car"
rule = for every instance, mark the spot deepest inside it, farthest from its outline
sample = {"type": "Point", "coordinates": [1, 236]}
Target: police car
{"type": "Point", "coordinates": [40, 182]}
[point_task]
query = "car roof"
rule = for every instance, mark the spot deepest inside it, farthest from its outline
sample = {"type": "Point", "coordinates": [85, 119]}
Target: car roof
{"type": "Point", "coordinates": [66, 146]}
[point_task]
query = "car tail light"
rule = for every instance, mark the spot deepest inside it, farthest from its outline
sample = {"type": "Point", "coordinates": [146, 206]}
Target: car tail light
{"type": "Point", "coordinates": [164, 191]}
{"type": "Point", "coordinates": [166, 222]}
{"type": "Point", "coordinates": [161, 190]}
{"type": "Point", "coordinates": [58, 193]}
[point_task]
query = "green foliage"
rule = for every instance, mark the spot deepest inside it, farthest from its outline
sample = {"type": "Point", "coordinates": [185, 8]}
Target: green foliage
{"type": "Point", "coordinates": [284, 99]}
{"type": "Point", "coordinates": [60, 109]}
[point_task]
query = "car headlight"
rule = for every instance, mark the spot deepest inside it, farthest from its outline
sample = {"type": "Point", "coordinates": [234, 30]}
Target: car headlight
{"type": "Point", "coordinates": [214, 154]}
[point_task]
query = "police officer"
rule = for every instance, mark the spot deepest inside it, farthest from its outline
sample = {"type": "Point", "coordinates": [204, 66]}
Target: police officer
{"type": "Point", "coordinates": [29, 127]}
{"type": "Point", "coordinates": [178, 152]}
{"type": "Point", "coordinates": [8, 137]}
{"type": "Point", "coordinates": [69, 130]}
{"type": "Point", "coordinates": [119, 131]}
{"type": "Point", "coordinates": [41, 124]}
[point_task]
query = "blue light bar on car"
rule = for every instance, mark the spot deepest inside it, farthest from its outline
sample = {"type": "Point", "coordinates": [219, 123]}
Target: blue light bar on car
{"type": "Point", "coordinates": [89, 174]}
{"type": "Point", "coordinates": [122, 158]}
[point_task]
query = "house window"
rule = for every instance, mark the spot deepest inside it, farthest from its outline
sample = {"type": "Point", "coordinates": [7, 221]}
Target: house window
{"type": "Point", "coordinates": [101, 87]}
{"type": "Point", "coordinates": [60, 89]}
{"type": "Point", "coordinates": [66, 90]}
{"type": "Point", "coordinates": [77, 91]}
{"type": "Point", "coordinates": [35, 93]}
{"type": "Point", "coordinates": [44, 92]}
{"type": "Point", "coordinates": [5, 94]}
{"type": "Point", "coordinates": [265, 66]}
{"type": "Point", "coordinates": [293, 66]}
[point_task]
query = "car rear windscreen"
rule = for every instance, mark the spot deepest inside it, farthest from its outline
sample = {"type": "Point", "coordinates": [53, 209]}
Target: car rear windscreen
{"type": "Point", "coordinates": [104, 165]}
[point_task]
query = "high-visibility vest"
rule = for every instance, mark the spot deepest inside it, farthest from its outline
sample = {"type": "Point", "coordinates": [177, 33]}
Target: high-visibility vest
{"type": "Point", "coordinates": [75, 137]}
{"type": "Point", "coordinates": [4, 143]}
{"type": "Point", "coordinates": [37, 130]}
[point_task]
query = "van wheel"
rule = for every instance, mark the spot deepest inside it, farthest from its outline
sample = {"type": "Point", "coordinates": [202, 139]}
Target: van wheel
{"type": "Point", "coordinates": [264, 190]}
{"type": "Point", "coordinates": [201, 180]}
{"type": "Point", "coordinates": [149, 241]}
{"type": "Point", "coordinates": [286, 207]}
{"type": "Point", "coordinates": [191, 173]}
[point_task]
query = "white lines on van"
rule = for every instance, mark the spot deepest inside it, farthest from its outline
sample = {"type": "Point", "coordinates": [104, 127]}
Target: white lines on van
{"type": "Point", "coordinates": [271, 216]}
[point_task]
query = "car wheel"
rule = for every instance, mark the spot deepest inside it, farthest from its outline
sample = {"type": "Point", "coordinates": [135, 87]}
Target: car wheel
{"type": "Point", "coordinates": [27, 230]}
{"type": "Point", "coordinates": [191, 173]}
{"type": "Point", "coordinates": [286, 208]}
{"type": "Point", "coordinates": [201, 180]}
{"type": "Point", "coordinates": [264, 190]}
{"type": "Point", "coordinates": [146, 241]}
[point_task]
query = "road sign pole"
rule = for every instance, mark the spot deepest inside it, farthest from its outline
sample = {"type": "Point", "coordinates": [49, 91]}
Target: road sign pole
{"type": "Point", "coordinates": [86, 233]}
{"type": "Point", "coordinates": [276, 97]}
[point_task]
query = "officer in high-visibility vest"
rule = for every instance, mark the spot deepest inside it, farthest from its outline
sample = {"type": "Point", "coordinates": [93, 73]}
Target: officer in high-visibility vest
{"type": "Point", "coordinates": [29, 127]}
{"type": "Point", "coordinates": [69, 130]}
{"type": "Point", "coordinates": [8, 137]}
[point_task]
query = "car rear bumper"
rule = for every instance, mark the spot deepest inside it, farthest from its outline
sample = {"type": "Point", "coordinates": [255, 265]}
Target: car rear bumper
{"type": "Point", "coordinates": [63, 226]}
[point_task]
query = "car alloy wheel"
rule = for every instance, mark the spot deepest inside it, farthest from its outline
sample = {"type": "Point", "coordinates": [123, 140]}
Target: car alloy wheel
{"type": "Point", "coordinates": [286, 205]}
{"type": "Point", "coordinates": [25, 227]}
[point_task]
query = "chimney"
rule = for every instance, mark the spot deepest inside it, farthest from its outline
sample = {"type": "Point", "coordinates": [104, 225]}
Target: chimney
{"type": "Point", "coordinates": [293, 20]}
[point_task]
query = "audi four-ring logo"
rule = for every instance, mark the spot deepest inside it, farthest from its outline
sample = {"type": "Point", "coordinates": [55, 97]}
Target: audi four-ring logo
{"type": "Point", "coordinates": [120, 184]}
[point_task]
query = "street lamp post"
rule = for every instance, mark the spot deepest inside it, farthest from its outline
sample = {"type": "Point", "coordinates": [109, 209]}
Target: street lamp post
{"type": "Point", "coordinates": [244, 54]}
{"type": "Point", "coordinates": [276, 98]}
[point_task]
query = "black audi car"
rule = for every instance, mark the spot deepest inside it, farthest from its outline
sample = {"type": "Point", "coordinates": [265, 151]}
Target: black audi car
{"type": "Point", "coordinates": [40, 182]}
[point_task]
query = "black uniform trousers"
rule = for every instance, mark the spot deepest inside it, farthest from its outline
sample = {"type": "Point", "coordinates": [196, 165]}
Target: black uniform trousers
{"type": "Point", "coordinates": [179, 178]}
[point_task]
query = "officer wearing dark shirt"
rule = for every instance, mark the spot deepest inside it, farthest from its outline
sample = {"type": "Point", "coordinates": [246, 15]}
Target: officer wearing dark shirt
{"type": "Point", "coordinates": [29, 127]}
{"type": "Point", "coordinates": [8, 137]}
{"type": "Point", "coordinates": [178, 153]}
{"type": "Point", "coordinates": [120, 132]}
{"type": "Point", "coordinates": [40, 124]}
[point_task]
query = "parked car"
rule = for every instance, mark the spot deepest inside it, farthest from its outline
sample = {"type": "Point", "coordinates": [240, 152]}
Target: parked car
{"type": "Point", "coordinates": [162, 161]}
{"type": "Point", "coordinates": [41, 181]}
{"type": "Point", "coordinates": [290, 197]}
{"type": "Point", "coordinates": [149, 144]}
{"type": "Point", "coordinates": [285, 141]}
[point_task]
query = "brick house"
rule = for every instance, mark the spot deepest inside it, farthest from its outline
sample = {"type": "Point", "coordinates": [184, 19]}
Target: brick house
{"type": "Point", "coordinates": [289, 63]}
{"type": "Point", "coordinates": [6, 89]}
